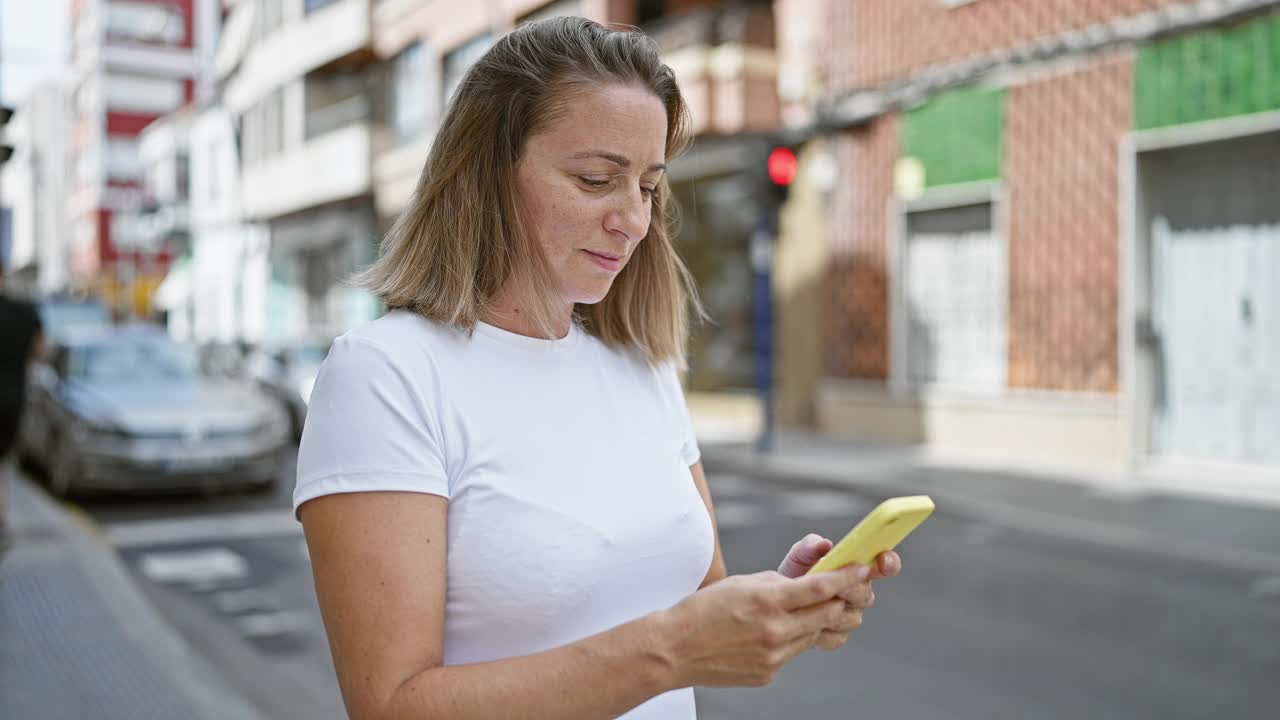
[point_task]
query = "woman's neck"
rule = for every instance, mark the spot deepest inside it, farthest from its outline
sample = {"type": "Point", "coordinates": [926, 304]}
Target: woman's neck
{"type": "Point", "coordinates": [511, 312]}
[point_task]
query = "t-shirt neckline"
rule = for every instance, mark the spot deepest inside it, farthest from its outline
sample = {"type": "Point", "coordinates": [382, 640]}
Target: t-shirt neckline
{"type": "Point", "coordinates": [570, 339]}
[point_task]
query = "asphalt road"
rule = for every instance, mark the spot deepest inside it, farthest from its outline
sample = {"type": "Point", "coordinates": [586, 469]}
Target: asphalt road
{"type": "Point", "coordinates": [984, 623]}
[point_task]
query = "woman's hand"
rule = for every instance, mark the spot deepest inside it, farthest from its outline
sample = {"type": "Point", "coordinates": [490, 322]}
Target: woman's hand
{"type": "Point", "coordinates": [741, 630]}
{"type": "Point", "coordinates": [808, 551]}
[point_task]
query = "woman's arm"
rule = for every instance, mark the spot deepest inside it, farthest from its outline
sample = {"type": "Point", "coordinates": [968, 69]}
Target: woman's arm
{"type": "Point", "coordinates": [717, 571]}
{"type": "Point", "coordinates": [379, 563]}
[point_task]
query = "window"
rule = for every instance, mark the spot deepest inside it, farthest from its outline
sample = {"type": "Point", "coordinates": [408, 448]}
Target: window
{"type": "Point", "coordinates": [212, 176]}
{"type": "Point", "coordinates": [123, 159]}
{"type": "Point", "coordinates": [263, 128]}
{"type": "Point", "coordinates": [408, 94]}
{"type": "Point", "coordinates": [273, 124]}
{"type": "Point", "coordinates": [145, 22]}
{"type": "Point", "coordinates": [311, 6]}
{"type": "Point", "coordinates": [335, 99]}
{"type": "Point", "coordinates": [182, 181]}
{"type": "Point", "coordinates": [143, 94]}
{"type": "Point", "coordinates": [648, 11]}
{"type": "Point", "coordinates": [459, 61]}
{"type": "Point", "coordinates": [554, 9]}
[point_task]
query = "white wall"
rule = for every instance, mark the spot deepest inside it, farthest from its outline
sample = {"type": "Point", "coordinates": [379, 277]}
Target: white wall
{"type": "Point", "coordinates": [229, 271]}
{"type": "Point", "coordinates": [35, 184]}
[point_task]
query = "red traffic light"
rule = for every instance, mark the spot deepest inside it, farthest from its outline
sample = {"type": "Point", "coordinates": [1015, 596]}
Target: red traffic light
{"type": "Point", "coordinates": [782, 166]}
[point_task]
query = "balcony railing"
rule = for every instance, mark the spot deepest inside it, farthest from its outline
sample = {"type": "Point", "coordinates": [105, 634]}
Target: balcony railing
{"type": "Point", "coordinates": [338, 115]}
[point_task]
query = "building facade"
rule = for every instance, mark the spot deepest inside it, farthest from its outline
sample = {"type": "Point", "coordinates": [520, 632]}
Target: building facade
{"type": "Point", "coordinates": [133, 61]}
{"type": "Point", "coordinates": [1052, 232]}
{"type": "Point", "coordinates": [304, 90]}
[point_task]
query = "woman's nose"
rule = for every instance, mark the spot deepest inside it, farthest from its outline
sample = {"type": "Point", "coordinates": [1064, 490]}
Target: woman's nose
{"type": "Point", "coordinates": [631, 216]}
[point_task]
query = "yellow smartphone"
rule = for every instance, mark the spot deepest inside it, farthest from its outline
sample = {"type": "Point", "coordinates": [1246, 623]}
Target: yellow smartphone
{"type": "Point", "coordinates": [882, 529]}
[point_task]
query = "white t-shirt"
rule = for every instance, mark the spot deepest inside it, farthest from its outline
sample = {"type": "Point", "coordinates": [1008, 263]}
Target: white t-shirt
{"type": "Point", "coordinates": [566, 464]}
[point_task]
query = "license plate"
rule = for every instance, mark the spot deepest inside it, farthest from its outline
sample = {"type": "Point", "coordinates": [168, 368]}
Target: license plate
{"type": "Point", "coordinates": [191, 464]}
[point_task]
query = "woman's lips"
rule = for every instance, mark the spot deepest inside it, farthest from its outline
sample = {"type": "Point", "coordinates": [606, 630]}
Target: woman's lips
{"type": "Point", "coordinates": [608, 262]}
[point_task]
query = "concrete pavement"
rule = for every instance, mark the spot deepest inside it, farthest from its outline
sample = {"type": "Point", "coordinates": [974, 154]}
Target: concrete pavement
{"type": "Point", "coordinates": [79, 639]}
{"type": "Point", "coordinates": [1241, 535]}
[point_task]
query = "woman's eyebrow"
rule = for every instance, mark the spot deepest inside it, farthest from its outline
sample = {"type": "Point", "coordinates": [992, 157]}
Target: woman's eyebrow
{"type": "Point", "coordinates": [619, 160]}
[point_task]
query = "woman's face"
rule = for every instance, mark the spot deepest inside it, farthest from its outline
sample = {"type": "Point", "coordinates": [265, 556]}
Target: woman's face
{"type": "Point", "coordinates": [587, 184]}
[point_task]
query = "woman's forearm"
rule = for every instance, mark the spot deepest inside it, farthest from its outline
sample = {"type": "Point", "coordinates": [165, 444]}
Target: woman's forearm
{"type": "Point", "coordinates": [601, 676]}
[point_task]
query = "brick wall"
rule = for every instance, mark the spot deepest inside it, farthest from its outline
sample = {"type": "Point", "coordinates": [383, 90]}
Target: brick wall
{"type": "Point", "coordinates": [874, 41]}
{"type": "Point", "coordinates": [1062, 173]}
{"type": "Point", "coordinates": [856, 332]}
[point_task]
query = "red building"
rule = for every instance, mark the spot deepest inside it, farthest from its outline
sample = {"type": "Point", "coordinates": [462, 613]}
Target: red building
{"type": "Point", "coordinates": [133, 61]}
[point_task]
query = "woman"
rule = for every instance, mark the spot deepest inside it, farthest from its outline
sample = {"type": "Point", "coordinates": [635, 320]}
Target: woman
{"type": "Point", "coordinates": [498, 481]}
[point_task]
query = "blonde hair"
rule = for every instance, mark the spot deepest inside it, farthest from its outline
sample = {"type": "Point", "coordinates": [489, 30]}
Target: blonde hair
{"type": "Point", "coordinates": [462, 237]}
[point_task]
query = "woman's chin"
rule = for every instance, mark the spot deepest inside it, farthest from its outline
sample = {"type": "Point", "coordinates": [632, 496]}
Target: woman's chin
{"type": "Point", "coordinates": [591, 295]}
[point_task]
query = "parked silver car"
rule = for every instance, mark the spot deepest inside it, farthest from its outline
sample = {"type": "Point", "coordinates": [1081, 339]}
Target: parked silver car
{"type": "Point", "coordinates": [130, 410]}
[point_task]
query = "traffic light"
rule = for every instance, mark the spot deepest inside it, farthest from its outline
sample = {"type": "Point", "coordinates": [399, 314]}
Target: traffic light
{"type": "Point", "coordinates": [775, 171]}
{"type": "Point", "coordinates": [782, 166]}
{"type": "Point", "coordinates": [6, 150]}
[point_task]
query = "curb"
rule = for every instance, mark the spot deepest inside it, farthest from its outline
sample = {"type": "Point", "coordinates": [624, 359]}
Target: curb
{"type": "Point", "coordinates": [195, 679]}
{"type": "Point", "coordinates": [1039, 522]}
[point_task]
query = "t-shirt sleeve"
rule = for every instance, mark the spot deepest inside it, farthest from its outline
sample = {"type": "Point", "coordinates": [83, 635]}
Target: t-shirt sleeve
{"type": "Point", "coordinates": [689, 450]}
{"type": "Point", "coordinates": [371, 426]}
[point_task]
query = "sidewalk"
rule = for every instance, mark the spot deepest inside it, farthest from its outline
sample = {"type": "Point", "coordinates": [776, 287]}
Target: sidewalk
{"type": "Point", "coordinates": [1099, 510]}
{"type": "Point", "coordinates": [78, 638]}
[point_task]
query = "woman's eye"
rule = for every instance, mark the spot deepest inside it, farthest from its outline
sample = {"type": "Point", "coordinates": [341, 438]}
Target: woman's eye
{"type": "Point", "coordinates": [593, 182]}
{"type": "Point", "coordinates": [649, 192]}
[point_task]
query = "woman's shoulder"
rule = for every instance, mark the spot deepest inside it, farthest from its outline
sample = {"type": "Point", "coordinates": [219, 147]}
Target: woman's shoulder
{"type": "Point", "coordinates": [402, 333]}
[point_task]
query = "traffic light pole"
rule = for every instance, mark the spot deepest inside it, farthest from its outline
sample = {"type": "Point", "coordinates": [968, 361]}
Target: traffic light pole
{"type": "Point", "coordinates": [774, 171]}
{"type": "Point", "coordinates": [763, 239]}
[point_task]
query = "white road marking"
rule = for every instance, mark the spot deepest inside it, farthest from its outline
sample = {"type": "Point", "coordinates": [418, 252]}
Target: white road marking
{"type": "Point", "coordinates": [1267, 588]}
{"type": "Point", "coordinates": [822, 504]}
{"type": "Point", "coordinates": [203, 528]}
{"type": "Point", "coordinates": [734, 514]}
{"type": "Point", "coordinates": [234, 602]}
{"type": "Point", "coordinates": [207, 567]}
{"type": "Point", "coordinates": [279, 622]}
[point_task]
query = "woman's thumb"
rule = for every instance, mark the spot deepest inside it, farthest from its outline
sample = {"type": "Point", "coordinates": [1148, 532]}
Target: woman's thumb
{"type": "Point", "coordinates": [803, 555]}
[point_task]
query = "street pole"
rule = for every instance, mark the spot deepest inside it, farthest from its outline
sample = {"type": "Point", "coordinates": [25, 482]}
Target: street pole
{"type": "Point", "coordinates": [762, 246]}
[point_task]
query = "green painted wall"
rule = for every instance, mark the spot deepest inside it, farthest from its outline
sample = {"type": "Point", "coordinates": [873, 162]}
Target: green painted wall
{"type": "Point", "coordinates": [957, 136]}
{"type": "Point", "coordinates": [1209, 74]}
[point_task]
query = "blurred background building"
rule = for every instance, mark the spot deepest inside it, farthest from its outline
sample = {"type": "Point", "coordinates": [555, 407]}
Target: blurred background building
{"type": "Point", "coordinates": [33, 184]}
{"type": "Point", "coordinates": [1054, 230]}
{"type": "Point", "coordinates": [133, 62]}
{"type": "Point", "coordinates": [1044, 230]}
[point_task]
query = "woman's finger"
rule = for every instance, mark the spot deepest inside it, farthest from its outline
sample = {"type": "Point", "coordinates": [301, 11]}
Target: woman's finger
{"type": "Point", "coordinates": [803, 555]}
{"type": "Point", "coordinates": [849, 621]}
{"type": "Point", "coordinates": [888, 564]}
{"type": "Point", "coordinates": [830, 640]}
{"type": "Point", "coordinates": [860, 596]}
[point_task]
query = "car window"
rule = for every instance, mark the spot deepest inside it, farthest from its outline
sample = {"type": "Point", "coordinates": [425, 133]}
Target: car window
{"type": "Point", "coordinates": [134, 361]}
